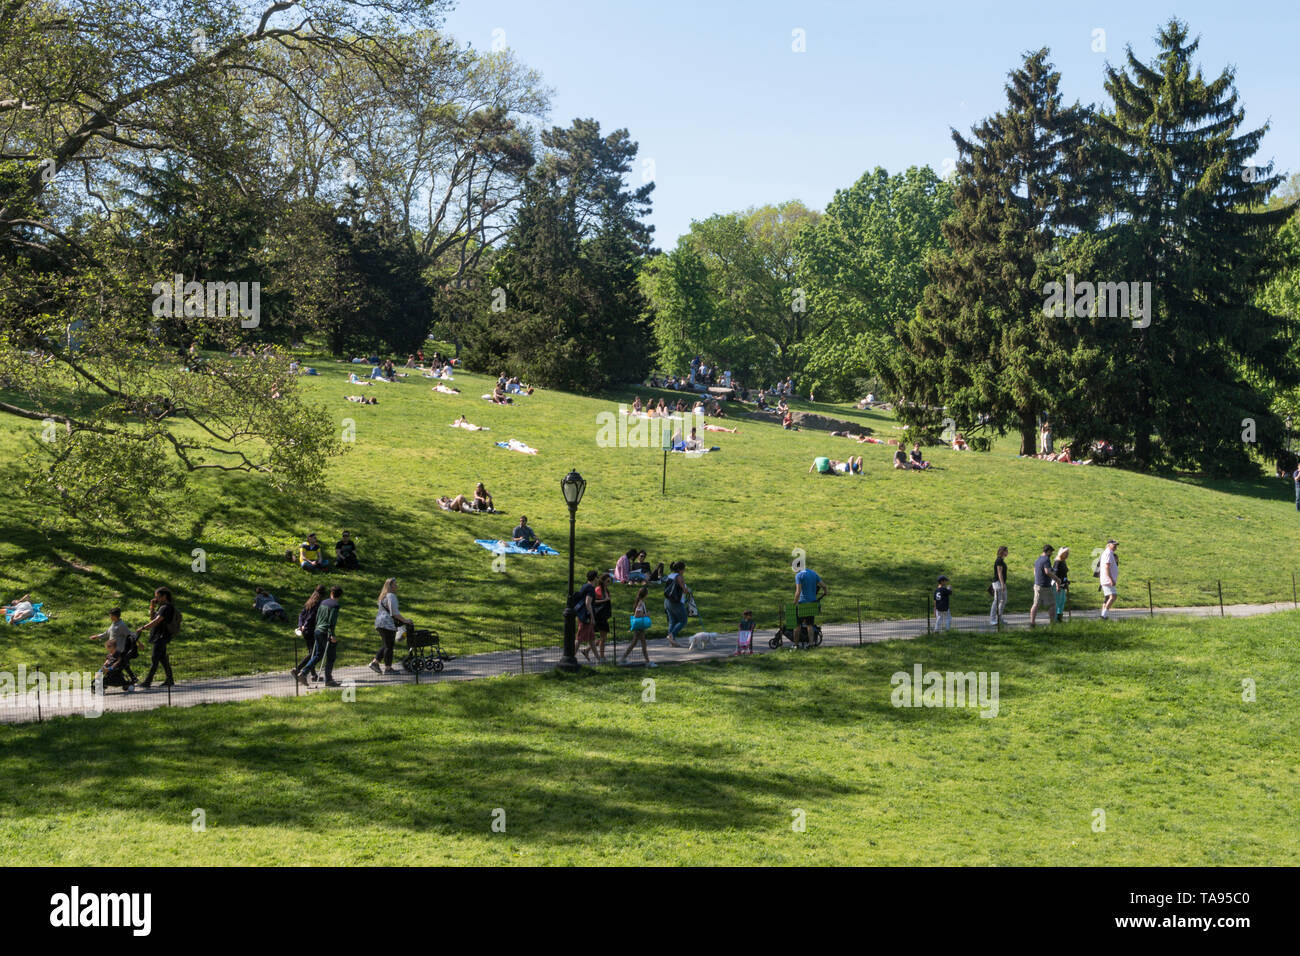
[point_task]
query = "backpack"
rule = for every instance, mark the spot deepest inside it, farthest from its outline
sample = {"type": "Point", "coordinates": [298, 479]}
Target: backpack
{"type": "Point", "coordinates": [174, 627]}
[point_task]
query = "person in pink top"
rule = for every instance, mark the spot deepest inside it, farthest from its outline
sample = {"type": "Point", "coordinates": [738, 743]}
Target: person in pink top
{"type": "Point", "coordinates": [623, 567]}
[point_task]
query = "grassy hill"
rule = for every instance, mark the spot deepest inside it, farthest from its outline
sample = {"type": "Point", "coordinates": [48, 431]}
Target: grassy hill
{"type": "Point", "coordinates": [736, 516]}
{"type": "Point", "coordinates": [1142, 720]}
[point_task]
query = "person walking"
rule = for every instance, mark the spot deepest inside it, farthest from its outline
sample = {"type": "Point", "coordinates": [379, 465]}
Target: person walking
{"type": "Point", "coordinates": [942, 605]}
{"type": "Point", "coordinates": [327, 642]}
{"type": "Point", "coordinates": [307, 629]}
{"type": "Point", "coordinates": [1047, 438]}
{"type": "Point", "coordinates": [1296, 478]}
{"type": "Point", "coordinates": [1044, 580]}
{"type": "Point", "coordinates": [640, 627]}
{"type": "Point", "coordinates": [809, 588]}
{"type": "Point", "coordinates": [602, 605]}
{"type": "Point", "coordinates": [387, 620]}
{"type": "Point", "coordinates": [164, 624]}
{"type": "Point", "coordinates": [999, 587]}
{"type": "Point", "coordinates": [1062, 572]}
{"type": "Point", "coordinates": [676, 594]}
{"type": "Point", "coordinates": [1108, 572]}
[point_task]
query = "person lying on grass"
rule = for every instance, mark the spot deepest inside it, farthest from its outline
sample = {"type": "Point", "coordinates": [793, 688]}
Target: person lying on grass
{"type": "Point", "coordinates": [459, 503]}
{"type": "Point", "coordinates": [21, 609]}
{"type": "Point", "coordinates": [353, 380]}
{"type": "Point", "coordinates": [363, 400]}
{"type": "Point", "coordinates": [832, 466]}
{"type": "Point", "coordinates": [446, 389]}
{"type": "Point", "coordinates": [463, 423]}
{"type": "Point", "coordinates": [719, 428]}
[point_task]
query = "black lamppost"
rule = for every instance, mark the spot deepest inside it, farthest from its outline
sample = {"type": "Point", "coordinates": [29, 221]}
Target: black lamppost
{"type": "Point", "coordinates": [573, 485]}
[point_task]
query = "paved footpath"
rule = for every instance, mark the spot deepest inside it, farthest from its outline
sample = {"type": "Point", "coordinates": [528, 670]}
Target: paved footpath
{"type": "Point", "coordinates": [497, 663]}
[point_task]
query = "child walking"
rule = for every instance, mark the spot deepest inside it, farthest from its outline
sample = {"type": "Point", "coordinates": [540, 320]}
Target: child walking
{"type": "Point", "coordinates": [942, 599]}
{"type": "Point", "coordinates": [639, 626]}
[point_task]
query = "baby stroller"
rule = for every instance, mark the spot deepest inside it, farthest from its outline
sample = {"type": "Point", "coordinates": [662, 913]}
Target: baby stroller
{"type": "Point", "coordinates": [791, 632]}
{"type": "Point", "coordinates": [424, 651]}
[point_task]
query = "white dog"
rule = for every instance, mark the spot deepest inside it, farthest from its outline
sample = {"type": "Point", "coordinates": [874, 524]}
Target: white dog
{"type": "Point", "coordinates": [703, 639]}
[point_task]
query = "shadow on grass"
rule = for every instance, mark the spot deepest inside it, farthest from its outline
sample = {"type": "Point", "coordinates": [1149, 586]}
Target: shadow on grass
{"type": "Point", "coordinates": [443, 759]}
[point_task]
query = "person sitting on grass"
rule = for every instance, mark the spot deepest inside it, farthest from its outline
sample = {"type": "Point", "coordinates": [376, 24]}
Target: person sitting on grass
{"type": "Point", "coordinates": [345, 553]}
{"type": "Point", "coordinates": [499, 397]}
{"type": "Point", "coordinates": [917, 461]}
{"type": "Point", "coordinates": [642, 567]}
{"type": "Point", "coordinates": [309, 556]}
{"type": "Point", "coordinates": [524, 536]}
{"type": "Point", "coordinates": [623, 567]}
{"type": "Point", "coordinates": [959, 443]}
{"type": "Point", "coordinates": [787, 421]}
{"type": "Point", "coordinates": [900, 460]}
{"type": "Point", "coordinates": [483, 500]}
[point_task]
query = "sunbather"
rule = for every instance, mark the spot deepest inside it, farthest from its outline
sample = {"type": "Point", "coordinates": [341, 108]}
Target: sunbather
{"type": "Point", "coordinates": [719, 428]}
{"type": "Point", "coordinates": [363, 400]}
{"type": "Point", "coordinates": [462, 423]}
{"type": "Point", "coordinates": [20, 610]}
{"type": "Point", "coordinates": [446, 389]}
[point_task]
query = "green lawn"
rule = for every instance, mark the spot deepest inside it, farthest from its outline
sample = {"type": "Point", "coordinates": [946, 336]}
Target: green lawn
{"type": "Point", "coordinates": [1143, 720]}
{"type": "Point", "coordinates": [736, 516]}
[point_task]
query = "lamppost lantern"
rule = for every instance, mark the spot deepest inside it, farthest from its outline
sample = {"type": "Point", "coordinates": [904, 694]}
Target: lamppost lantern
{"type": "Point", "coordinates": [573, 485]}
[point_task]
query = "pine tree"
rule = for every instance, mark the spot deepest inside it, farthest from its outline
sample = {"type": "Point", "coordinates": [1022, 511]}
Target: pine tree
{"type": "Point", "coordinates": [1187, 214]}
{"type": "Point", "coordinates": [980, 343]}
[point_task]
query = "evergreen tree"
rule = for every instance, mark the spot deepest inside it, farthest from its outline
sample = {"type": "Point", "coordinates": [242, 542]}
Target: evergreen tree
{"type": "Point", "coordinates": [562, 305]}
{"type": "Point", "coordinates": [1187, 214]}
{"type": "Point", "coordinates": [980, 343]}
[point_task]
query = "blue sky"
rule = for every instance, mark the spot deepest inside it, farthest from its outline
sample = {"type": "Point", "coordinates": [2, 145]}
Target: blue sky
{"type": "Point", "coordinates": [732, 117]}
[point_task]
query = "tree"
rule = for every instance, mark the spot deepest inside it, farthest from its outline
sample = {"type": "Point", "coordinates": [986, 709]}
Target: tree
{"type": "Point", "coordinates": [980, 345]}
{"type": "Point", "coordinates": [1187, 214]}
{"type": "Point", "coordinates": [97, 103]}
{"type": "Point", "coordinates": [730, 292]}
{"type": "Point", "coordinates": [561, 305]}
{"type": "Point", "coordinates": [863, 268]}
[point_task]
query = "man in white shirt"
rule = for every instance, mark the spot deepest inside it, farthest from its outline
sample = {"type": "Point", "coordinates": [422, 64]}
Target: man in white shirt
{"type": "Point", "coordinates": [1108, 568]}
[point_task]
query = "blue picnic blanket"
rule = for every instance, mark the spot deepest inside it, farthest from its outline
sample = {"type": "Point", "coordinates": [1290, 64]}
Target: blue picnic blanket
{"type": "Point", "coordinates": [497, 546]}
{"type": "Point", "coordinates": [36, 618]}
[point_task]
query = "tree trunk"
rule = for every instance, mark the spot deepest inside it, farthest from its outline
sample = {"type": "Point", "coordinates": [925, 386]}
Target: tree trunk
{"type": "Point", "coordinates": [1028, 435]}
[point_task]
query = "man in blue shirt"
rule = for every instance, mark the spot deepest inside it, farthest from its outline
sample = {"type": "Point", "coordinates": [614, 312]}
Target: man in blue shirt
{"type": "Point", "coordinates": [523, 535]}
{"type": "Point", "coordinates": [808, 589]}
